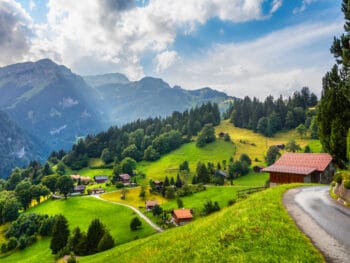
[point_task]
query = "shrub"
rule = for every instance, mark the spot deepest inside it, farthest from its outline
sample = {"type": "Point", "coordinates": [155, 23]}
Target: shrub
{"type": "Point", "coordinates": [338, 178]}
{"type": "Point", "coordinates": [347, 184]}
{"type": "Point", "coordinates": [231, 202]}
{"type": "Point", "coordinates": [12, 244]}
{"type": "Point", "coordinates": [135, 223]}
{"type": "Point", "coordinates": [119, 185]}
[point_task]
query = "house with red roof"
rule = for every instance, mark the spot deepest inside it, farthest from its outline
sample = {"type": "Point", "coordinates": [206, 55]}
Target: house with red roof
{"type": "Point", "coordinates": [182, 216]}
{"type": "Point", "coordinates": [301, 168]}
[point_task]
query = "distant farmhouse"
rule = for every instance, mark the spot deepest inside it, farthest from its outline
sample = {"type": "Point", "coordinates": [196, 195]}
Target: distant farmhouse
{"type": "Point", "coordinates": [301, 168]}
{"type": "Point", "coordinates": [100, 179]}
{"type": "Point", "coordinates": [182, 216]}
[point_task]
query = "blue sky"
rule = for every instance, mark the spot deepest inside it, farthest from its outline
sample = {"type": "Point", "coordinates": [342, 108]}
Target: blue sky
{"type": "Point", "coordinates": [243, 47]}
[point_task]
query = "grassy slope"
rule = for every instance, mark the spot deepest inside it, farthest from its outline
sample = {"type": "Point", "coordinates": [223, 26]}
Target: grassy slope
{"type": "Point", "coordinates": [257, 229]}
{"type": "Point", "coordinates": [79, 211]}
{"type": "Point", "coordinates": [169, 163]}
{"type": "Point", "coordinates": [262, 143]}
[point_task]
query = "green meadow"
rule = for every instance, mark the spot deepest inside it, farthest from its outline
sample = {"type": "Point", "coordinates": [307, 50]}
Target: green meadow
{"type": "Point", "coordinates": [80, 211]}
{"type": "Point", "coordinates": [257, 229]}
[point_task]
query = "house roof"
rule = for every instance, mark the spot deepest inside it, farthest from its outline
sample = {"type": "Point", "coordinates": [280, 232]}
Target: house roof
{"type": "Point", "coordinates": [101, 177]}
{"type": "Point", "coordinates": [85, 178]}
{"type": "Point", "coordinates": [75, 176]}
{"type": "Point", "coordinates": [125, 176]}
{"type": "Point", "coordinates": [183, 213]}
{"type": "Point", "coordinates": [79, 187]}
{"type": "Point", "coordinates": [300, 163]}
{"type": "Point", "coordinates": [151, 202]}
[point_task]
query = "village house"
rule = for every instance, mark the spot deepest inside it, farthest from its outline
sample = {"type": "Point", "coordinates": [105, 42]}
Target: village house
{"type": "Point", "coordinates": [125, 179]}
{"type": "Point", "coordinates": [150, 204]}
{"type": "Point", "coordinates": [75, 177]}
{"type": "Point", "coordinates": [96, 191]}
{"type": "Point", "coordinates": [100, 179]}
{"type": "Point", "coordinates": [79, 189]}
{"type": "Point", "coordinates": [85, 179]}
{"type": "Point", "coordinates": [182, 216]}
{"type": "Point", "coordinates": [301, 168]}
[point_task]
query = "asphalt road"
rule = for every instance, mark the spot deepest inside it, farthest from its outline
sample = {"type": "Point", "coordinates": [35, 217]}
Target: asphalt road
{"type": "Point", "coordinates": [331, 216]}
{"type": "Point", "coordinates": [322, 219]}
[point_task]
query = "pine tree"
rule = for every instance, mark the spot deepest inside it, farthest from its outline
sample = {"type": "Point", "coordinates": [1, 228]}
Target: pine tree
{"type": "Point", "coordinates": [334, 108]}
{"type": "Point", "coordinates": [106, 242]}
{"type": "Point", "coordinates": [95, 233]}
{"type": "Point", "coordinates": [60, 234]}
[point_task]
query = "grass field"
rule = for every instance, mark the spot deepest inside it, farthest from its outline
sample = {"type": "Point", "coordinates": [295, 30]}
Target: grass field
{"type": "Point", "coordinates": [132, 197]}
{"type": "Point", "coordinates": [80, 211]}
{"type": "Point", "coordinates": [257, 229]}
{"type": "Point", "coordinates": [168, 164]}
{"type": "Point", "coordinates": [244, 138]}
{"type": "Point", "coordinates": [92, 172]}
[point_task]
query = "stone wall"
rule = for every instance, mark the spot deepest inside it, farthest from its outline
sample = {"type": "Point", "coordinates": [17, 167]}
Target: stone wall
{"type": "Point", "coordinates": [342, 192]}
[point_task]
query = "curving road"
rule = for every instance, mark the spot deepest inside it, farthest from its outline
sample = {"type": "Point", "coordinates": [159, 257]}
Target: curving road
{"type": "Point", "coordinates": [325, 221]}
{"type": "Point", "coordinates": [157, 228]}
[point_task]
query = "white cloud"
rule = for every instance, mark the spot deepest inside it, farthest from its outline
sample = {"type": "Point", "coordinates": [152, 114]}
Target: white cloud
{"type": "Point", "coordinates": [303, 6]}
{"type": "Point", "coordinates": [15, 29]}
{"type": "Point", "coordinates": [165, 60]}
{"type": "Point", "coordinates": [280, 62]}
{"type": "Point", "coordinates": [32, 5]}
{"type": "Point", "coordinates": [276, 4]}
{"type": "Point", "coordinates": [115, 34]}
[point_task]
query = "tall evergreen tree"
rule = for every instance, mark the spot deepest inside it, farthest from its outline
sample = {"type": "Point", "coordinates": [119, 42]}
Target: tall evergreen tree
{"type": "Point", "coordinates": [60, 234]}
{"type": "Point", "coordinates": [334, 109]}
{"type": "Point", "coordinates": [95, 233]}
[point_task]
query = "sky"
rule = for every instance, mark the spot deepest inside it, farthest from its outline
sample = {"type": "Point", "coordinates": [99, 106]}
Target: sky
{"type": "Point", "coordinates": [241, 47]}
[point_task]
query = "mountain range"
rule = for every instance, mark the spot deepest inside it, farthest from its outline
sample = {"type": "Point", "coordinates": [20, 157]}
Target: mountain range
{"type": "Point", "coordinates": [52, 104]}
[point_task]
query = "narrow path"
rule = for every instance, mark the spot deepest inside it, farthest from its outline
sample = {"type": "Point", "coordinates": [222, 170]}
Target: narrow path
{"type": "Point", "coordinates": [157, 228]}
{"type": "Point", "coordinates": [321, 220]}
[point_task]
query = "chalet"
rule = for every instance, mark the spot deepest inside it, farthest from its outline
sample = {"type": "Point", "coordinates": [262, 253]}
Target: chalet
{"type": "Point", "coordinates": [301, 168]}
{"type": "Point", "coordinates": [75, 177]}
{"type": "Point", "coordinates": [96, 191]}
{"type": "Point", "coordinates": [150, 204]}
{"type": "Point", "coordinates": [221, 173]}
{"type": "Point", "coordinates": [100, 179]}
{"type": "Point", "coordinates": [79, 189]}
{"type": "Point", "coordinates": [182, 216]}
{"type": "Point", "coordinates": [125, 178]}
{"type": "Point", "coordinates": [158, 185]}
{"type": "Point", "coordinates": [85, 179]}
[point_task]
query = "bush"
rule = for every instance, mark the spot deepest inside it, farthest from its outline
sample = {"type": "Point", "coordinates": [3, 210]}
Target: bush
{"type": "Point", "coordinates": [135, 223]}
{"type": "Point", "coordinates": [210, 207]}
{"type": "Point", "coordinates": [12, 244]}
{"type": "Point", "coordinates": [347, 184]}
{"type": "Point", "coordinates": [338, 178]}
{"type": "Point", "coordinates": [119, 185]}
{"type": "Point", "coordinates": [231, 202]}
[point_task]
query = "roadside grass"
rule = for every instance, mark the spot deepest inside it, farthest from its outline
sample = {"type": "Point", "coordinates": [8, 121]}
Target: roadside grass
{"type": "Point", "coordinates": [168, 164]}
{"type": "Point", "coordinates": [132, 197]}
{"type": "Point", "coordinates": [252, 180]}
{"type": "Point", "coordinates": [256, 145]}
{"type": "Point", "coordinates": [80, 211]}
{"type": "Point", "coordinates": [196, 201]}
{"type": "Point", "coordinates": [257, 229]}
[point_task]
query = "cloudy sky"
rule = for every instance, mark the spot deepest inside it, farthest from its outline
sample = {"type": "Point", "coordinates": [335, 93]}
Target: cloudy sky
{"type": "Point", "coordinates": [242, 47]}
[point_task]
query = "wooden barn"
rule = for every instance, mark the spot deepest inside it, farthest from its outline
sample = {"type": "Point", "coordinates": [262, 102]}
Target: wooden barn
{"type": "Point", "coordinates": [182, 216]}
{"type": "Point", "coordinates": [301, 168]}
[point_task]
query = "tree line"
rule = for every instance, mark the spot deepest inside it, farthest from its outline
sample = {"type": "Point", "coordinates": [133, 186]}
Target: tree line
{"type": "Point", "coordinates": [273, 115]}
{"type": "Point", "coordinates": [143, 139]}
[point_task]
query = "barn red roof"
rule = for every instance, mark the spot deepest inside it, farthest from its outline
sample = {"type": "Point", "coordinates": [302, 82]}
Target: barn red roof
{"type": "Point", "coordinates": [300, 163]}
{"type": "Point", "coordinates": [183, 213]}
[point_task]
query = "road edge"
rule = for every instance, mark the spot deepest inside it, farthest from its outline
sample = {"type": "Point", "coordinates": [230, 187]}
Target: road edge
{"type": "Point", "coordinates": [330, 248]}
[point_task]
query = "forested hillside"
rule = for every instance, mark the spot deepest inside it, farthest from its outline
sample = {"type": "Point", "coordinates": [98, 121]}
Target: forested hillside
{"type": "Point", "coordinates": [273, 115]}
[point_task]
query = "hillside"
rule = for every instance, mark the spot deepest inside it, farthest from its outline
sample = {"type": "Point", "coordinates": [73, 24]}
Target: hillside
{"type": "Point", "coordinates": [257, 229]}
{"type": "Point", "coordinates": [17, 147]}
{"type": "Point", "coordinates": [80, 211]}
{"type": "Point", "coordinates": [124, 101]}
{"type": "Point", "coordinates": [256, 145]}
{"type": "Point", "coordinates": [49, 101]}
